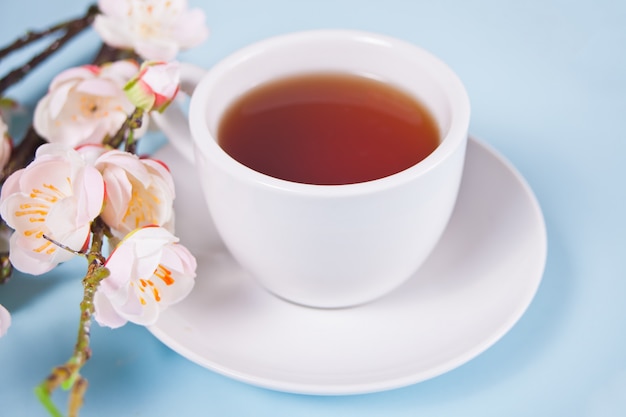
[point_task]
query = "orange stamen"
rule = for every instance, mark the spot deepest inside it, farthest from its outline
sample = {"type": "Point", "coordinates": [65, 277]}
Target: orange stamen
{"type": "Point", "coordinates": [165, 275]}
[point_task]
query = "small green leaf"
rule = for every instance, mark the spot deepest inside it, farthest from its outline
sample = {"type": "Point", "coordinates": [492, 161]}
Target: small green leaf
{"type": "Point", "coordinates": [44, 398]}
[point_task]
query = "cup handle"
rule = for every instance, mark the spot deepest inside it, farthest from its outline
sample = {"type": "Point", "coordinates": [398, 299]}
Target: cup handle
{"type": "Point", "coordinates": [173, 122]}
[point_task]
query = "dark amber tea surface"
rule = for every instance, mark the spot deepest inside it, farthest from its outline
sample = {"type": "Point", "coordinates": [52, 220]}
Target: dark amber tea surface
{"type": "Point", "coordinates": [328, 129]}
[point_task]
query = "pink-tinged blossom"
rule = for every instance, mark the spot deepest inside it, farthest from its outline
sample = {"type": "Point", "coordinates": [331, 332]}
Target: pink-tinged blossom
{"type": "Point", "coordinates": [155, 86]}
{"type": "Point", "coordinates": [56, 196]}
{"type": "Point", "coordinates": [6, 144]}
{"type": "Point", "coordinates": [5, 320]}
{"type": "Point", "coordinates": [149, 271]}
{"type": "Point", "coordinates": [85, 104]}
{"type": "Point", "coordinates": [154, 29]}
{"type": "Point", "coordinates": [140, 191]}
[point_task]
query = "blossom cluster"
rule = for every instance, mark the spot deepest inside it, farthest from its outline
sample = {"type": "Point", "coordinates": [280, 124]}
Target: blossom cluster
{"type": "Point", "coordinates": [154, 29]}
{"type": "Point", "coordinates": [52, 202]}
{"type": "Point", "coordinates": [78, 178]}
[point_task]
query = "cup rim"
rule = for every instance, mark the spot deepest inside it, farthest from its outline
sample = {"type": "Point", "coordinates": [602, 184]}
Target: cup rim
{"type": "Point", "coordinates": [454, 137]}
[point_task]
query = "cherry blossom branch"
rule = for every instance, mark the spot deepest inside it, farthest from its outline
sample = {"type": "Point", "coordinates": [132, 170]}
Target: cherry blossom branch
{"type": "Point", "coordinates": [24, 151]}
{"type": "Point", "coordinates": [152, 89]}
{"type": "Point", "coordinates": [67, 376]}
{"type": "Point", "coordinates": [32, 36]}
{"type": "Point", "coordinates": [109, 54]}
{"type": "Point", "coordinates": [73, 28]}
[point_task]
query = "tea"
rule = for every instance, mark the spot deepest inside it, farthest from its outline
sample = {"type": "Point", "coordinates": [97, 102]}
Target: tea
{"type": "Point", "coordinates": [328, 129]}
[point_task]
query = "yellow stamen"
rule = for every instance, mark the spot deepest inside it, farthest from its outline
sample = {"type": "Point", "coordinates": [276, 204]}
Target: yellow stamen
{"type": "Point", "coordinates": [37, 232]}
{"type": "Point", "coordinates": [39, 194]}
{"type": "Point", "coordinates": [31, 205]}
{"type": "Point", "coordinates": [53, 188]}
{"type": "Point", "coordinates": [27, 212]}
{"type": "Point", "coordinates": [141, 211]}
{"type": "Point", "coordinates": [43, 247]}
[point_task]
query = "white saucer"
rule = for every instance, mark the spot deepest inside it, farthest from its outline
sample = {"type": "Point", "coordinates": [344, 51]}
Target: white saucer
{"type": "Point", "coordinates": [471, 291]}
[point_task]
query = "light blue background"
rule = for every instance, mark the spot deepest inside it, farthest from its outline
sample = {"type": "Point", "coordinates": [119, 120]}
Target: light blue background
{"type": "Point", "coordinates": [547, 80]}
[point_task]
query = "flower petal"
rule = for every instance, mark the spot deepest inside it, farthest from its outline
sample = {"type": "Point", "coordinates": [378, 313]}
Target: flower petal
{"type": "Point", "coordinates": [5, 320]}
{"type": "Point", "coordinates": [157, 49]}
{"type": "Point", "coordinates": [73, 74]}
{"type": "Point", "coordinates": [149, 272]}
{"type": "Point", "coordinates": [191, 30]}
{"type": "Point", "coordinates": [120, 71]}
{"type": "Point", "coordinates": [111, 32]}
{"type": "Point", "coordinates": [90, 190]}
{"type": "Point", "coordinates": [98, 87]}
{"type": "Point", "coordinates": [105, 313]}
{"type": "Point", "coordinates": [11, 186]}
{"type": "Point", "coordinates": [55, 197]}
{"type": "Point", "coordinates": [140, 192]}
{"type": "Point", "coordinates": [24, 260]}
{"type": "Point", "coordinates": [56, 99]}
{"type": "Point", "coordinates": [113, 7]}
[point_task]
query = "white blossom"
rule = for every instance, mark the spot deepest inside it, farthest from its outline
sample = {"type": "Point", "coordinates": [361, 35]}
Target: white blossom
{"type": "Point", "coordinates": [56, 197]}
{"type": "Point", "coordinates": [85, 104]}
{"type": "Point", "coordinates": [140, 191]}
{"type": "Point", "coordinates": [149, 271]}
{"type": "Point", "coordinates": [154, 29]}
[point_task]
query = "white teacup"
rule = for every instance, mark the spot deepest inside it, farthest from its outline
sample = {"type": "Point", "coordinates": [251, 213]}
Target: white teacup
{"type": "Point", "coordinates": [326, 245]}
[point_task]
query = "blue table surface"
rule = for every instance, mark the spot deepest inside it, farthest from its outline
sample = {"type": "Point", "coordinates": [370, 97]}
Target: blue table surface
{"type": "Point", "coordinates": [547, 81]}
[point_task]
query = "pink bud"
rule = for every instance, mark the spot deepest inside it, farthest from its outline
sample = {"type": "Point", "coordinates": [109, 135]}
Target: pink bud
{"type": "Point", "coordinates": [155, 86]}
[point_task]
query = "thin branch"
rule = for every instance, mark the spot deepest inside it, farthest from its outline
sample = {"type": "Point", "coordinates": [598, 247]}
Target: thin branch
{"type": "Point", "coordinates": [32, 36]}
{"type": "Point", "coordinates": [133, 121]}
{"type": "Point", "coordinates": [67, 375]}
{"type": "Point", "coordinates": [74, 27]}
{"type": "Point", "coordinates": [64, 246]}
{"type": "Point", "coordinates": [23, 153]}
{"type": "Point", "coordinates": [109, 54]}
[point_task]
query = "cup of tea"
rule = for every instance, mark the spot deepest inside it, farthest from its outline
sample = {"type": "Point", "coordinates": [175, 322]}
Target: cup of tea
{"type": "Point", "coordinates": [330, 160]}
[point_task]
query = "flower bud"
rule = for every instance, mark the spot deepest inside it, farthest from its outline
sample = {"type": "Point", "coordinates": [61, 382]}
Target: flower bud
{"type": "Point", "coordinates": [155, 86]}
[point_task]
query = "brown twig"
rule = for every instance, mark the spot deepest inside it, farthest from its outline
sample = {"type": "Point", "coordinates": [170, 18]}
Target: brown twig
{"type": "Point", "coordinates": [109, 54]}
{"type": "Point", "coordinates": [74, 27]}
{"type": "Point", "coordinates": [29, 37]}
{"type": "Point", "coordinates": [132, 122]}
{"type": "Point", "coordinates": [22, 154]}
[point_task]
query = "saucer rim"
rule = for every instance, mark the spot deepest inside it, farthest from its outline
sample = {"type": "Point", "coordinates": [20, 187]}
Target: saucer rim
{"type": "Point", "coordinates": [355, 387]}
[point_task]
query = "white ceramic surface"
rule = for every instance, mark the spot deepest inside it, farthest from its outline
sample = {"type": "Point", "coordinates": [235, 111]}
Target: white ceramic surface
{"type": "Point", "coordinates": [473, 288]}
{"type": "Point", "coordinates": [320, 245]}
